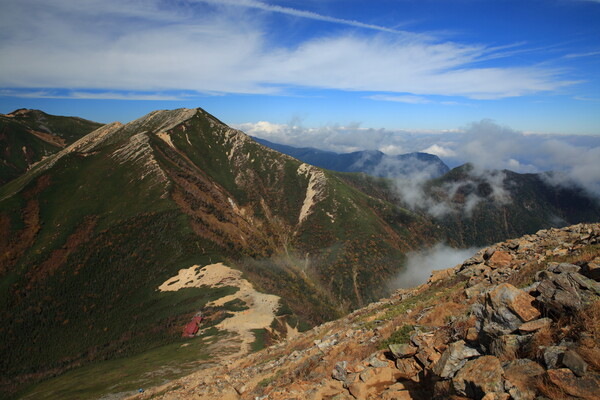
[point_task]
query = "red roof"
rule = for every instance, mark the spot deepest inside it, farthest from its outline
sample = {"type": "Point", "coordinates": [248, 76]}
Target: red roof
{"type": "Point", "coordinates": [190, 329]}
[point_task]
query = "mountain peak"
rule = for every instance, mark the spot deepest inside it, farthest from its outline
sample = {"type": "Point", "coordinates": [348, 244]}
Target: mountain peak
{"type": "Point", "coordinates": [25, 112]}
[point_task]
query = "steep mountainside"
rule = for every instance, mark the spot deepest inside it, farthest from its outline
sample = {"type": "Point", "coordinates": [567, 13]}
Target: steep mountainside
{"type": "Point", "coordinates": [110, 246]}
{"type": "Point", "coordinates": [89, 234]}
{"type": "Point", "coordinates": [372, 162]}
{"type": "Point", "coordinates": [518, 320]}
{"type": "Point", "coordinates": [487, 206]}
{"type": "Point", "coordinates": [478, 207]}
{"type": "Point", "coordinates": [27, 136]}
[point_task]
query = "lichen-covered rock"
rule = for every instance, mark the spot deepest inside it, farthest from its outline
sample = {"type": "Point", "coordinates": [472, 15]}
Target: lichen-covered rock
{"type": "Point", "coordinates": [339, 371]}
{"type": "Point", "coordinates": [585, 388]}
{"type": "Point", "coordinates": [453, 359]}
{"type": "Point", "coordinates": [574, 362]}
{"type": "Point", "coordinates": [536, 325]}
{"type": "Point", "coordinates": [516, 300]}
{"type": "Point", "coordinates": [402, 350]}
{"type": "Point", "coordinates": [479, 377]}
{"type": "Point", "coordinates": [522, 375]}
{"type": "Point", "coordinates": [553, 356]}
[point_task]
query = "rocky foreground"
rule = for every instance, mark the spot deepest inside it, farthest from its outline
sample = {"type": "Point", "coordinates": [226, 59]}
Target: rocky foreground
{"type": "Point", "coordinates": [519, 320]}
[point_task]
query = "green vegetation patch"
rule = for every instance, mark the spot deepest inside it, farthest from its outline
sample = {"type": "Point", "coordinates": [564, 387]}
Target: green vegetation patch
{"type": "Point", "coordinates": [399, 336]}
{"type": "Point", "coordinates": [126, 375]}
{"type": "Point", "coordinates": [260, 339]}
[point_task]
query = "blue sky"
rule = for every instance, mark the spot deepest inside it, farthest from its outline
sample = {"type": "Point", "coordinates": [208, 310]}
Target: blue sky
{"type": "Point", "coordinates": [416, 65]}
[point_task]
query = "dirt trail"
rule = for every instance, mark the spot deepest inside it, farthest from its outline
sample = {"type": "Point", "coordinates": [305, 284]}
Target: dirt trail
{"type": "Point", "coordinates": [261, 307]}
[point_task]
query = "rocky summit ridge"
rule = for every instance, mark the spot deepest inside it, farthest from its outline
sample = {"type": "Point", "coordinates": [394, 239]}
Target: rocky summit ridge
{"type": "Point", "coordinates": [518, 320]}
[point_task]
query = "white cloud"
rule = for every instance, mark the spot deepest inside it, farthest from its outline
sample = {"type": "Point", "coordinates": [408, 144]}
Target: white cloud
{"type": "Point", "coordinates": [420, 264]}
{"type": "Point", "coordinates": [440, 151]}
{"type": "Point", "coordinates": [103, 95]}
{"type": "Point", "coordinates": [298, 13]}
{"type": "Point", "coordinates": [589, 54]}
{"type": "Point", "coordinates": [400, 99]}
{"type": "Point", "coordinates": [146, 46]}
{"type": "Point", "coordinates": [487, 145]}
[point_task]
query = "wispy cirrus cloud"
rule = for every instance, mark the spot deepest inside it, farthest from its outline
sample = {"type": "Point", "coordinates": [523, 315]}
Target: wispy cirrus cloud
{"type": "Point", "coordinates": [588, 54]}
{"type": "Point", "coordinates": [98, 95]}
{"type": "Point", "coordinates": [400, 99]}
{"type": "Point", "coordinates": [204, 46]}
{"type": "Point", "coordinates": [259, 5]}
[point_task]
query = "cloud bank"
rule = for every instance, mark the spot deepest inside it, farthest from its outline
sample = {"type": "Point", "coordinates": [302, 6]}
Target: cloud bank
{"type": "Point", "coordinates": [420, 264]}
{"type": "Point", "coordinates": [486, 144]}
{"type": "Point", "coordinates": [226, 47]}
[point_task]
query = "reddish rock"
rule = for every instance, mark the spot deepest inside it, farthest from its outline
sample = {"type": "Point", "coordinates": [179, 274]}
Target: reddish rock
{"type": "Point", "coordinates": [522, 376]}
{"type": "Point", "coordinates": [396, 395]}
{"type": "Point", "coordinates": [408, 368]}
{"type": "Point", "coordinates": [453, 359]}
{"type": "Point", "coordinates": [440, 275]}
{"type": "Point", "coordinates": [496, 396]}
{"type": "Point", "coordinates": [402, 350]}
{"type": "Point", "coordinates": [381, 377]}
{"type": "Point", "coordinates": [536, 325]}
{"type": "Point", "coordinates": [585, 387]}
{"type": "Point", "coordinates": [472, 335]}
{"type": "Point", "coordinates": [479, 377]}
{"type": "Point", "coordinates": [358, 390]}
{"type": "Point", "coordinates": [516, 300]}
{"type": "Point", "coordinates": [500, 259]}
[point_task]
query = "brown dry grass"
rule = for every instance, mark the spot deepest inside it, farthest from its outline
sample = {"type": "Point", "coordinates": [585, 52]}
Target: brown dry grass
{"type": "Point", "coordinates": [590, 352]}
{"type": "Point", "coordinates": [548, 389]}
{"type": "Point", "coordinates": [588, 321]}
{"type": "Point", "coordinates": [585, 254]}
{"type": "Point", "coordinates": [586, 328]}
{"type": "Point", "coordinates": [546, 336]}
{"type": "Point", "coordinates": [526, 274]}
{"type": "Point", "coordinates": [507, 354]}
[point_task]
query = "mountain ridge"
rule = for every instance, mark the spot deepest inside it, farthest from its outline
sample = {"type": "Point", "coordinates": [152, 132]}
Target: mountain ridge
{"type": "Point", "coordinates": [135, 203]}
{"type": "Point", "coordinates": [371, 162]}
{"type": "Point", "coordinates": [470, 332]}
{"type": "Point", "coordinates": [89, 234]}
{"type": "Point", "coordinates": [28, 136]}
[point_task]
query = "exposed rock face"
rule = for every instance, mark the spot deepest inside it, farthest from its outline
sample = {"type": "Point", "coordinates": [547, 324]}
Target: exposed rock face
{"type": "Point", "coordinates": [453, 359]}
{"type": "Point", "coordinates": [583, 388]}
{"type": "Point", "coordinates": [480, 377]}
{"type": "Point", "coordinates": [500, 346]}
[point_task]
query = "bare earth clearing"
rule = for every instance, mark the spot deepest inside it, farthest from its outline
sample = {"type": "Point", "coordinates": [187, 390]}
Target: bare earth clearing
{"type": "Point", "coordinates": [261, 307]}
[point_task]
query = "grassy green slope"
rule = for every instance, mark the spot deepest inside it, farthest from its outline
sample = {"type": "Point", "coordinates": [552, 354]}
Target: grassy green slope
{"type": "Point", "coordinates": [88, 235]}
{"type": "Point", "coordinates": [26, 136]}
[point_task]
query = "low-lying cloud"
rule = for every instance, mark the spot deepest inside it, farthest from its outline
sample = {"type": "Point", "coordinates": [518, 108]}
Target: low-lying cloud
{"type": "Point", "coordinates": [574, 159]}
{"type": "Point", "coordinates": [478, 185]}
{"type": "Point", "coordinates": [420, 264]}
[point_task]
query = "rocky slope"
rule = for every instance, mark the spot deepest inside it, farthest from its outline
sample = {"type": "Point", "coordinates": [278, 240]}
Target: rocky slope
{"type": "Point", "coordinates": [518, 320]}
{"type": "Point", "coordinates": [89, 234]}
{"type": "Point", "coordinates": [27, 136]}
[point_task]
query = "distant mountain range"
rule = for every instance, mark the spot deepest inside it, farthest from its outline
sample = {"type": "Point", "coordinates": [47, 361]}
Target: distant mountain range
{"type": "Point", "coordinates": [90, 231]}
{"type": "Point", "coordinates": [371, 162]}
